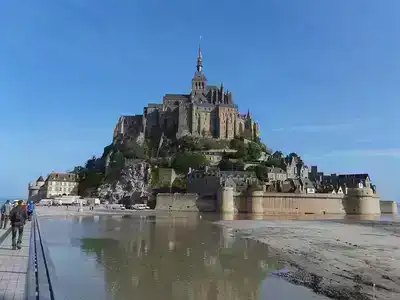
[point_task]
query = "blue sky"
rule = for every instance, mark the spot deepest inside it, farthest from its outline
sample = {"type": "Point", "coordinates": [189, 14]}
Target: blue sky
{"type": "Point", "coordinates": [321, 77]}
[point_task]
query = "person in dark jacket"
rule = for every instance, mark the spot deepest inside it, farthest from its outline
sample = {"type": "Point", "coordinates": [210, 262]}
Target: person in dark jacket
{"type": "Point", "coordinates": [18, 216]}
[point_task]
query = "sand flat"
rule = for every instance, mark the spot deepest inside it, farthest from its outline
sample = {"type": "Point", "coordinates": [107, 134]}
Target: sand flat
{"type": "Point", "coordinates": [341, 261]}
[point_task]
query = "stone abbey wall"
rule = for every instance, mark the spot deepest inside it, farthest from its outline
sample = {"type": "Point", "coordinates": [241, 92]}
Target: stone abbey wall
{"type": "Point", "coordinates": [388, 207]}
{"type": "Point", "coordinates": [362, 201]}
{"type": "Point", "coordinates": [184, 202]}
{"type": "Point", "coordinates": [259, 202]}
{"type": "Point", "coordinates": [357, 201]}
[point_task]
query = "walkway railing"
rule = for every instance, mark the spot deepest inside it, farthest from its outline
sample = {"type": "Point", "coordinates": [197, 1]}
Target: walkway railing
{"type": "Point", "coordinates": [39, 283]}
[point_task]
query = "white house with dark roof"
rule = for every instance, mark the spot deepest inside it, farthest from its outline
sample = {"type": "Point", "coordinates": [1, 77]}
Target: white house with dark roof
{"type": "Point", "coordinates": [59, 184]}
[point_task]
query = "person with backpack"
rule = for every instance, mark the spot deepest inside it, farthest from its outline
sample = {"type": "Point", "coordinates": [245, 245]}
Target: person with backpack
{"type": "Point", "coordinates": [30, 209]}
{"type": "Point", "coordinates": [5, 214]}
{"type": "Point", "coordinates": [18, 216]}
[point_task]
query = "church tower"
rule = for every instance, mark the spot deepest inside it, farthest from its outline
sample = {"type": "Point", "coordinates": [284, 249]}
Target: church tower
{"type": "Point", "coordinates": [199, 80]}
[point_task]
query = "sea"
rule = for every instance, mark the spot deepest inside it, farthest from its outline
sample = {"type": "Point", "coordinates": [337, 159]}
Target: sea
{"type": "Point", "coordinates": [4, 199]}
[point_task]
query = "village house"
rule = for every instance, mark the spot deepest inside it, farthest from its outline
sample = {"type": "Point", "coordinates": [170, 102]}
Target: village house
{"type": "Point", "coordinates": [208, 181]}
{"type": "Point", "coordinates": [59, 184]}
{"type": "Point", "coordinates": [214, 156]}
{"type": "Point", "coordinates": [276, 174]}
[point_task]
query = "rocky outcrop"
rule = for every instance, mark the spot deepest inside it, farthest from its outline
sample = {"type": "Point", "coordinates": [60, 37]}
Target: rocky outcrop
{"type": "Point", "coordinates": [132, 185]}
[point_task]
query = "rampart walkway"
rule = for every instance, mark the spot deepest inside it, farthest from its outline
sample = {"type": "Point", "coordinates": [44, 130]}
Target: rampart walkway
{"type": "Point", "coordinates": [13, 265]}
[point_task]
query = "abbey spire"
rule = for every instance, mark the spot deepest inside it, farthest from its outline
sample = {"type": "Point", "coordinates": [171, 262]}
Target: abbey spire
{"type": "Point", "coordinates": [199, 80]}
{"type": "Point", "coordinates": [200, 59]}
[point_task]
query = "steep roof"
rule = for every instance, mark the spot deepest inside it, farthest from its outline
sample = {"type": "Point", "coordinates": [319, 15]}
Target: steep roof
{"type": "Point", "coordinates": [363, 176]}
{"type": "Point", "coordinates": [40, 179]}
{"type": "Point", "coordinates": [352, 178]}
{"type": "Point", "coordinates": [307, 183]}
{"type": "Point", "coordinates": [62, 177]}
{"type": "Point", "coordinates": [275, 170]}
{"type": "Point", "coordinates": [176, 97]}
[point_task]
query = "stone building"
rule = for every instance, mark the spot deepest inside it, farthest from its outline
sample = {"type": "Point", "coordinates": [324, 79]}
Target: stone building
{"type": "Point", "coordinates": [34, 189]}
{"type": "Point", "coordinates": [207, 182]}
{"type": "Point", "coordinates": [58, 184]}
{"type": "Point", "coordinates": [166, 176]}
{"type": "Point", "coordinates": [354, 180]}
{"type": "Point", "coordinates": [296, 169]}
{"type": "Point", "coordinates": [214, 156]}
{"type": "Point", "coordinates": [276, 174]}
{"type": "Point", "coordinates": [207, 111]}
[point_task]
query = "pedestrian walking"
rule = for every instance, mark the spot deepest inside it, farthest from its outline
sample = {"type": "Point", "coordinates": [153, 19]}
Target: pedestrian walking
{"type": "Point", "coordinates": [18, 216]}
{"type": "Point", "coordinates": [30, 210]}
{"type": "Point", "coordinates": [5, 214]}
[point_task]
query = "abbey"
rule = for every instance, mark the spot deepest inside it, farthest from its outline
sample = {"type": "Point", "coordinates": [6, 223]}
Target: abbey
{"type": "Point", "coordinates": [208, 111]}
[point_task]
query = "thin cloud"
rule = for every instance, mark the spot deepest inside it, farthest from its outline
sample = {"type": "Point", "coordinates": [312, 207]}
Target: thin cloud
{"type": "Point", "coordinates": [363, 141]}
{"type": "Point", "coordinates": [315, 128]}
{"type": "Point", "coordinates": [278, 129]}
{"type": "Point", "coordinates": [392, 152]}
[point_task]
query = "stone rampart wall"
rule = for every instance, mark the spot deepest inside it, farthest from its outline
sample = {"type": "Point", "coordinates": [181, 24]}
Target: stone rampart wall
{"type": "Point", "coordinates": [360, 201]}
{"type": "Point", "coordinates": [357, 201]}
{"type": "Point", "coordinates": [287, 203]}
{"type": "Point", "coordinates": [388, 207]}
{"type": "Point", "coordinates": [184, 202]}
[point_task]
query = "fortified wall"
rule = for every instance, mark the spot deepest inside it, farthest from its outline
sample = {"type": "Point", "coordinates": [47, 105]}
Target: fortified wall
{"type": "Point", "coordinates": [388, 207]}
{"type": "Point", "coordinates": [184, 202]}
{"type": "Point", "coordinates": [360, 201]}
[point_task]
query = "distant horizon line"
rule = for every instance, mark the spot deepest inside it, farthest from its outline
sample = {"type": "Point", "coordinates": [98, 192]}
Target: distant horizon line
{"type": "Point", "coordinates": [9, 198]}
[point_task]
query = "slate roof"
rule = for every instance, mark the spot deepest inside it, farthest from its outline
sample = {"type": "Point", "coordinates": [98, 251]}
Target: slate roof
{"type": "Point", "coordinates": [363, 176]}
{"type": "Point", "coordinates": [205, 104]}
{"type": "Point", "coordinates": [238, 173]}
{"type": "Point", "coordinates": [307, 183]}
{"type": "Point", "coordinates": [62, 177]}
{"type": "Point", "coordinates": [176, 96]}
{"type": "Point", "coordinates": [275, 170]}
{"type": "Point", "coordinates": [154, 105]}
{"type": "Point", "coordinates": [211, 87]}
{"type": "Point", "coordinates": [352, 179]}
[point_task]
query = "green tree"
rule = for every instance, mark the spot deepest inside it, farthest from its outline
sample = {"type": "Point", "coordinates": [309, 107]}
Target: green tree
{"type": "Point", "coordinates": [184, 161]}
{"type": "Point", "coordinates": [207, 144]}
{"type": "Point", "coordinates": [239, 165]}
{"type": "Point", "coordinates": [91, 163]}
{"type": "Point", "coordinates": [131, 149]}
{"type": "Point", "coordinates": [180, 183]}
{"type": "Point", "coordinates": [236, 143]}
{"type": "Point", "coordinates": [117, 162]}
{"type": "Point", "coordinates": [91, 181]}
{"type": "Point", "coordinates": [276, 162]}
{"type": "Point", "coordinates": [253, 151]}
{"type": "Point", "coordinates": [78, 170]}
{"type": "Point", "coordinates": [262, 145]}
{"type": "Point", "coordinates": [296, 156]}
{"type": "Point", "coordinates": [261, 172]}
{"type": "Point", "coordinates": [277, 154]}
{"type": "Point", "coordinates": [226, 165]}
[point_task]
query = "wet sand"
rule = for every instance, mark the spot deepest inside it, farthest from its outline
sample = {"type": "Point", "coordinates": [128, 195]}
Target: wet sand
{"type": "Point", "coordinates": [353, 260]}
{"type": "Point", "coordinates": [161, 256]}
{"type": "Point", "coordinates": [341, 259]}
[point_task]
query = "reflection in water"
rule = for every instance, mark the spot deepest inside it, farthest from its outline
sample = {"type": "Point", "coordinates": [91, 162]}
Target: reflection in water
{"type": "Point", "coordinates": [171, 256]}
{"type": "Point", "coordinates": [178, 258]}
{"type": "Point", "coordinates": [303, 217]}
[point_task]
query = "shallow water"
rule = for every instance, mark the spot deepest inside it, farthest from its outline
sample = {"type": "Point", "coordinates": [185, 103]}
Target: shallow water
{"type": "Point", "coordinates": [160, 257]}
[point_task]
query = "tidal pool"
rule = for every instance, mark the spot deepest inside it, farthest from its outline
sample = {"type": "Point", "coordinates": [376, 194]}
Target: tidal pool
{"type": "Point", "coordinates": [160, 257]}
